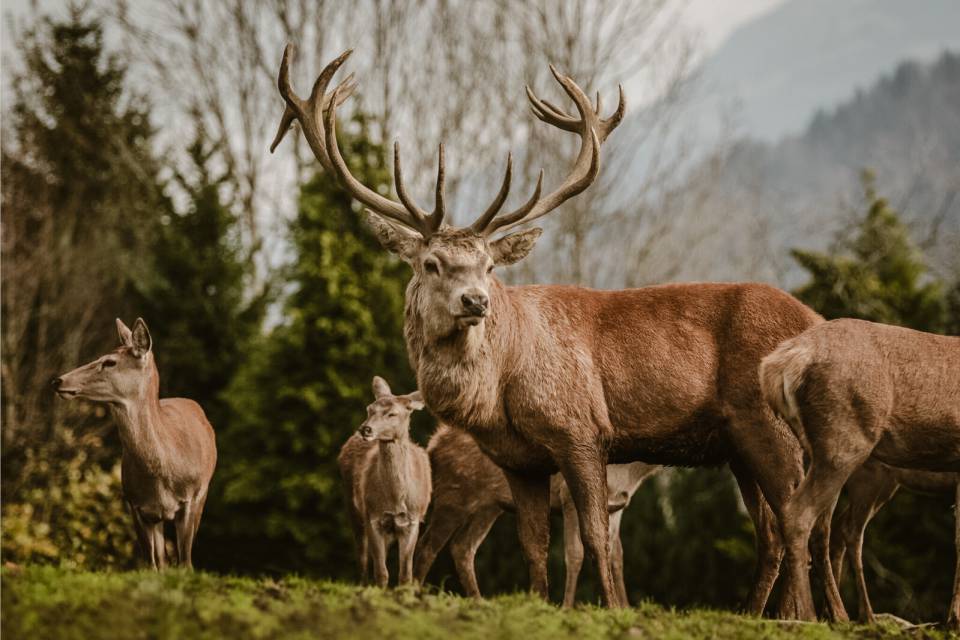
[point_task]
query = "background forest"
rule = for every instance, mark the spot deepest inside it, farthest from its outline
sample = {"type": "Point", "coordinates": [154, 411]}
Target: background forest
{"type": "Point", "coordinates": [136, 181]}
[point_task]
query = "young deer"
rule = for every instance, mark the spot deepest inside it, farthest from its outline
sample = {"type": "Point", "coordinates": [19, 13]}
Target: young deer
{"type": "Point", "coordinates": [387, 479]}
{"type": "Point", "coordinates": [169, 448]}
{"type": "Point", "coordinates": [853, 390]}
{"type": "Point", "coordinates": [868, 489]}
{"type": "Point", "coordinates": [471, 492]}
{"type": "Point", "coordinates": [559, 378]}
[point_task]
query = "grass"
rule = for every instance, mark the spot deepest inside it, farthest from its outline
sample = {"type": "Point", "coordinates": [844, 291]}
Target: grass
{"type": "Point", "coordinates": [50, 603]}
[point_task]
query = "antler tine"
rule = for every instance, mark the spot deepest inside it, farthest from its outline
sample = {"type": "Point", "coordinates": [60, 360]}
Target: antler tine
{"type": "Point", "coordinates": [419, 214]}
{"type": "Point", "coordinates": [592, 131]}
{"type": "Point", "coordinates": [481, 223]}
{"type": "Point", "coordinates": [440, 206]}
{"type": "Point", "coordinates": [599, 104]}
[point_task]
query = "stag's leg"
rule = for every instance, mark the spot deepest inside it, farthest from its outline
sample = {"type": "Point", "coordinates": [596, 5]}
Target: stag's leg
{"type": "Point", "coordinates": [838, 543]}
{"type": "Point", "coordinates": [406, 543]}
{"type": "Point", "coordinates": [465, 543]}
{"type": "Point", "coordinates": [616, 557]}
{"type": "Point", "coordinates": [378, 554]}
{"type": "Point", "coordinates": [184, 524]}
{"type": "Point", "coordinates": [531, 495]}
{"type": "Point", "coordinates": [572, 548]}
{"type": "Point", "coordinates": [586, 476]}
{"type": "Point", "coordinates": [820, 548]}
{"type": "Point", "coordinates": [444, 521]}
{"type": "Point", "coordinates": [953, 619]}
{"type": "Point", "coordinates": [769, 546]}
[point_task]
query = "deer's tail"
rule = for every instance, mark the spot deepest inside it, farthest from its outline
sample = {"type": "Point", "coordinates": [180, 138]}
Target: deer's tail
{"type": "Point", "coordinates": [781, 375]}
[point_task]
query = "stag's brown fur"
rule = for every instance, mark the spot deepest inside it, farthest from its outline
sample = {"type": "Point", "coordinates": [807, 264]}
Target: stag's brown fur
{"type": "Point", "coordinates": [852, 390]}
{"type": "Point", "coordinates": [169, 448]}
{"type": "Point", "coordinates": [471, 492]}
{"type": "Point", "coordinates": [868, 489]}
{"type": "Point", "coordinates": [387, 480]}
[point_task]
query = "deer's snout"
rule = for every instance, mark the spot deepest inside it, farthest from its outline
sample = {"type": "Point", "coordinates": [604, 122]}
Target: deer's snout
{"type": "Point", "coordinates": [475, 303]}
{"type": "Point", "coordinates": [55, 383]}
{"type": "Point", "coordinates": [365, 432]}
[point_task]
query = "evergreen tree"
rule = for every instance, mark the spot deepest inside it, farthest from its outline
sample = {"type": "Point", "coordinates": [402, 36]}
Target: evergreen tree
{"type": "Point", "coordinates": [305, 387]}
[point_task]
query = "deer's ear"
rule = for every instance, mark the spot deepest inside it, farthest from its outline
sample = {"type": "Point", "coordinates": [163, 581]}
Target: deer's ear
{"type": "Point", "coordinates": [394, 238]}
{"type": "Point", "coordinates": [141, 341]}
{"type": "Point", "coordinates": [380, 387]}
{"type": "Point", "coordinates": [126, 336]}
{"type": "Point", "coordinates": [415, 401]}
{"type": "Point", "coordinates": [514, 247]}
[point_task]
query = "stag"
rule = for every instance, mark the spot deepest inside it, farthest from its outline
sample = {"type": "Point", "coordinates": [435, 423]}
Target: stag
{"type": "Point", "coordinates": [471, 492]}
{"type": "Point", "coordinates": [852, 390]}
{"type": "Point", "coordinates": [169, 449]}
{"type": "Point", "coordinates": [868, 489]}
{"type": "Point", "coordinates": [387, 479]}
{"type": "Point", "coordinates": [563, 378]}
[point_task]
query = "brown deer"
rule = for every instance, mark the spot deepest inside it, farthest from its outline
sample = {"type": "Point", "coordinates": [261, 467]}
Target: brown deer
{"type": "Point", "coordinates": [868, 489]}
{"type": "Point", "coordinates": [471, 492]}
{"type": "Point", "coordinates": [387, 479]}
{"type": "Point", "coordinates": [562, 378]}
{"type": "Point", "coordinates": [169, 448]}
{"type": "Point", "coordinates": [853, 390]}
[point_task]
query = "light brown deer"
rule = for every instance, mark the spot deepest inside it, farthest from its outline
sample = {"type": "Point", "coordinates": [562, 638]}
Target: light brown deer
{"type": "Point", "coordinates": [558, 378]}
{"type": "Point", "coordinates": [169, 448]}
{"type": "Point", "coordinates": [868, 489]}
{"type": "Point", "coordinates": [470, 492]}
{"type": "Point", "coordinates": [852, 390]}
{"type": "Point", "coordinates": [387, 480]}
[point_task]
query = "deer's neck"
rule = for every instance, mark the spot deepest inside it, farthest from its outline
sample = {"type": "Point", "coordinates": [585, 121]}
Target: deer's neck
{"type": "Point", "coordinates": [139, 423]}
{"type": "Point", "coordinates": [393, 467]}
{"type": "Point", "coordinates": [461, 373]}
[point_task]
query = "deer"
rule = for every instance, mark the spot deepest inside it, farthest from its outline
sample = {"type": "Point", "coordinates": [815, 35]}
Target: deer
{"type": "Point", "coordinates": [853, 391]}
{"type": "Point", "coordinates": [869, 488]}
{"type": "Point", "coordinates": [169, 449]}
{"type": "Point", "coordinates": [553, 378]}
{"type": "Point", "coordinates": [471, 493]}
{"type": "Point", "coordinates": [387, 479]}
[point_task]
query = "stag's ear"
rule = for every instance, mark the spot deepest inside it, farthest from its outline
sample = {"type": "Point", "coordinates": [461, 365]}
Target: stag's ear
{"type": "Point", "coordinates": [380, 388]}
{"type": "Point", "coordinates": [514, 247]}
{"type": "Point", "coordinates": [140, 338]}
{"type": "Point", "coordinates": [126, 336]}
{"type": "Point", "coordinates": [394, 238]}
{"type": "Point", "coordinates": [415, 401]}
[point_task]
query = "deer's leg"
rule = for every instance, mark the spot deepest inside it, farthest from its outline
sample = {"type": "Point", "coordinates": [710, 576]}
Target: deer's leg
{"type": "Point", "coordinates": [838, 543]}
{"type": "Point", "coordinates": [586, 476]}
{"type": "Point", "coordinates": [465, 543]}
{"type": "Point", "coordinates": [144, 541]}
{"type": "Point", "coordinates": [184, 524]}
{"type": "Point", "coordinates": [769, 547]}
{"type": "Point", "coordinates": [158, 551]}
{"type": "Point", "coordinates": [820, 549]}
{"type": "Point", "coordinates": [406, 544]}
{"type": "Point", "coordinates": [531, 495]}
{"type": "Point", "coordinates": [378, 554]}
{"type": "Point", "coordinates": [444, 521]}
{"type": "Point", "coordinates": [616, 557]}
{"type": "Point", "coordinates": [953, 618]}
{"type": "Point", "coordinates": [572, 547]}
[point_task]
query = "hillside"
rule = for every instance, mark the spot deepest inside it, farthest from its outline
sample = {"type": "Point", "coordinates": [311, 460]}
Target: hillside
{"type": "Point", "coordinates": [51, 603]}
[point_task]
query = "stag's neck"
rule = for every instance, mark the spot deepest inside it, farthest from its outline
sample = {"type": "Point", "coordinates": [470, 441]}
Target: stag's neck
{"type": "Point", "coordinates": [139, 422]}
{"type": "Point", "coordinates": [461, 372]}
{"type": "Point", "coordinates": [393, 467]}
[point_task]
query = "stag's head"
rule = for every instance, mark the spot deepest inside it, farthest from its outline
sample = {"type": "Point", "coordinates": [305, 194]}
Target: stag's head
{"type": "Point", "coordinates": [388, 417]}
{"type": "Point", "coordinates": [119, 375]}
{"type": "Point", "coordinates": [453, 267]}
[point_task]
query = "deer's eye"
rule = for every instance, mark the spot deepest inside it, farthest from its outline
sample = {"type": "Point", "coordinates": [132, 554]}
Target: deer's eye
{"type": "Point", "coordinates": [392, 414]}
{"type": "Point", "coordinates": [109, 363]}
{"type": "Point", "coordinates": [490, 269]}
{"type": "Point", "coordinates": [431, 267]}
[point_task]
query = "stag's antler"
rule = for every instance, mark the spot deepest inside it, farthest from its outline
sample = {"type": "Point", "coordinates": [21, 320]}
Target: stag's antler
{"type": "Point", "coordinates": [593, 131]}
{"type": "Point", "coordinates": [318, 120]}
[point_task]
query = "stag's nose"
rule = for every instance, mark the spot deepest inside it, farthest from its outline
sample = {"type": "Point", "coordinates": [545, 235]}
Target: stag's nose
{"type": "Point", "coordinates": [56, 382]}
{"type": "Point", "coordinates": [366, 431]}
{"type": "Point", "coordinates": [475, 303]}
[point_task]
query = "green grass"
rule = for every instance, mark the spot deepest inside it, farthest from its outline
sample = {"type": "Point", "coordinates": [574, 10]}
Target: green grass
{"type": "Point", "coordinates": [49, 603]}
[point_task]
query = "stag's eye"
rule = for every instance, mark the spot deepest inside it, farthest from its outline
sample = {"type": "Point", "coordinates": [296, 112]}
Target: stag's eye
{"type": "Point", "coordinates": [431, 267]}
{"type": "Point", "coordinates": [109, 363]}
{"type": "Point", "coordinates": [490, 269]}
{"type": "Point", "coordinates": [392, 414]}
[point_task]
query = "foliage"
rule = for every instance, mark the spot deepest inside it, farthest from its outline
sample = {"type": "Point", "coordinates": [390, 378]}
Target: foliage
{"type": "Point", "coordinates": [877, 273]}
{"type": "Point", "coordinates": [48, 603]}
{"type": "Point", "coordinates": [303, 389]}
